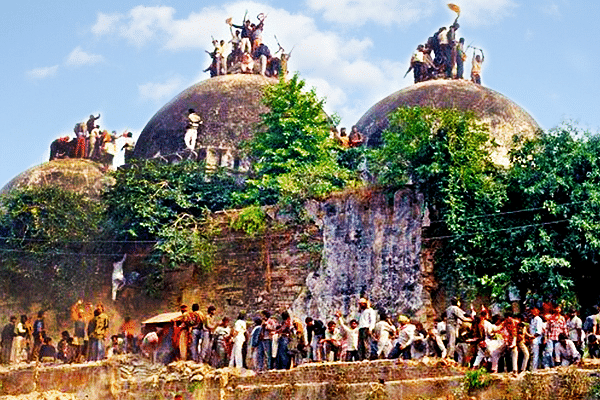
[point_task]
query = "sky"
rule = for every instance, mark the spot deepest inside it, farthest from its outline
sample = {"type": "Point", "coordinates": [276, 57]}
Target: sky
{"type": "Point", "coordinates": [64, 60]}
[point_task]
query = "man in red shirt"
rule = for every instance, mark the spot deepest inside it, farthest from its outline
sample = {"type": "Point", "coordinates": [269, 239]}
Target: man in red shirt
{"type": "Point", "coordinates": [555, 325]}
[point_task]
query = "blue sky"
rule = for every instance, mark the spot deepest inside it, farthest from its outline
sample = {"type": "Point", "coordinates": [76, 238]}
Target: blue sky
{"type": "Point", "coordinates": [124, 59]}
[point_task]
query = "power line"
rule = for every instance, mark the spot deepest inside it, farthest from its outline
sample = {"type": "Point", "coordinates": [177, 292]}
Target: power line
{"type": "Point", "coordinates": [497, 230]}
{"type": "Point", "coordinates": [511, 212]}
{"type": "Point", "coordinates": [275, 236]}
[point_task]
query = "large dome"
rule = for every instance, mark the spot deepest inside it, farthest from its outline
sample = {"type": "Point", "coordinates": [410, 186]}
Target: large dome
{"type": "Point", "coordinates": [230, 106]}
{"type": "Point", "coordinates": [504, 117]}
{"type": "Point", "coordinates": [75, 174]}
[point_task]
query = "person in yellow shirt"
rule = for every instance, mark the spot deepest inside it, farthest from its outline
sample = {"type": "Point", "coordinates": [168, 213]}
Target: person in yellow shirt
{"type": "Point", "coordinates": [476, 68]}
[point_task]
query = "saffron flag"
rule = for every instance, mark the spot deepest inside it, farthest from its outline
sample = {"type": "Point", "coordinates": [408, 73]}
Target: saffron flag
{"type": "Point", "coordinates": [454, 8]}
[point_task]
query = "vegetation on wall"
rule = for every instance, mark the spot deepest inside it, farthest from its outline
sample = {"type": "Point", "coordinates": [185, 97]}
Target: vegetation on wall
{"type": "Point", "coordinates": [293, 157]}
{"type": "Point", "coordinates": [168, 206]}
{"type": "Point", "coordinates": [530, 229]}
{"type": "Point", "coordinates": [51, 241]}
{"type": "Point", "coordinates": [445, 154]}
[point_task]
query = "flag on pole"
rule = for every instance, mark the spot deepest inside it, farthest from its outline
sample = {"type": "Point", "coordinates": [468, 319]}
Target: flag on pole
{"type": "Point", "coordinates": [454, 8]}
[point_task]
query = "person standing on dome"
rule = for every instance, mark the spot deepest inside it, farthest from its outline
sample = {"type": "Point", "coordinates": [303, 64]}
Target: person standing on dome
{"type": "Point", "coordinates": [91, 122]}
{"type": "Point", "coordinates": [191, 133]}
{"type": "Point", "coordinates": [461, 56]}
{"type": "Point", "coordinates": [416, 63]}
{"type": "Point", "coordinates": [257, 32]}
{"type": "Point", "coordinates": [246, 45]}
{"type": "Point", "coordinates": [451, 49]}
{"type": "Point", "coordinates": [262, 55]}
{"type": "Point", "coordinates": [355, 138]}
{"type": "Point", "coordinates": [476, 68]}
{"type": "Point", "coordinates": [443, 45]}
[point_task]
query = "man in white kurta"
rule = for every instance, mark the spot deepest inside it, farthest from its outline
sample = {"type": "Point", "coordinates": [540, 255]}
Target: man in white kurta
{"type": "Point", "coordinates": [239, 337]}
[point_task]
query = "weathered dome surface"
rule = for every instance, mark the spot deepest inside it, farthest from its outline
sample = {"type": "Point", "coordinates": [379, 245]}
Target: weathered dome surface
{"type": "Point", "coordinates": [230, 106]}
{"type": "Point", "coordinates": [75, 174]}
{"type": "Point", "coordinates": [504, 117]}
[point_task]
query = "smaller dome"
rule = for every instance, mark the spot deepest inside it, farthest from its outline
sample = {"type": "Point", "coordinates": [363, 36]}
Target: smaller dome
{"type": "Point", "coordinates": [75, 174]}
{"type": "Point", "coordinates": [504, 117]}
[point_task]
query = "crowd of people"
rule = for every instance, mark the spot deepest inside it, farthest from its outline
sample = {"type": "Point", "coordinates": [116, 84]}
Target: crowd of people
{"type": "Point", "coordinates": [22, 341]}
{"type": "Point", "coordinates": [538, 338]}
{"type": "Point", "coordinates": [246, 52]}
{"type": "Point", "coordinates": [93, 143]}
{"type": "Point", "coordinates": [443, 56]}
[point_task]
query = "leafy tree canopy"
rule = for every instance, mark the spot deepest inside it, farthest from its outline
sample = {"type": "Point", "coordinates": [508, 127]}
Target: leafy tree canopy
{"type": "Point", "coordinates": [49, 239]}
{"type": "Point", "coordinates": [293, 157]}
{"type": "Point", "coordinates": [531, 229]}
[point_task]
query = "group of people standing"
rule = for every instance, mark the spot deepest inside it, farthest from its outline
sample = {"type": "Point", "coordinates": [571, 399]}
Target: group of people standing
{"type": "Point", "coordinates": [273, 341]}
{"type": "Point", "coordinates": [526, 341]}
{"type": "Point", "coordinates": [538, 338]}
{"type": "Point", "coordinates": [508, 342]}
{"type": "Point", "coordinates": [93, 143]}
{"type": "Point", "coordinates": [25, 342]}
{"type": "Point", "coordinates": [443, 56]}
{"type": "Point", "coordinates": [246, 52]}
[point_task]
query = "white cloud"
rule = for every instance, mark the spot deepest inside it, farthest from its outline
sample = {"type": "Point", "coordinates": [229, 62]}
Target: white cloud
{"type": "Point", "coordinates": [145, 22]}
{"type": "Point", "coordinates": [335, 96]}
{"type": "Point", "coordinates": [78, 58]}
{"type": "Point", "coordinates": [383, 12]}
{"type": "Point", "coordinates": [338, 63]}
{"type": "Point", "coordinates": [139, 26]}
{"type": "Point", "coordinates": [106, 24]}
{"type": "Point", "coordinates": [42, 73]}
{"type": "Point", "coordinates": [483, 12]}
{"type": "Point", "coordinates": [160, 91]}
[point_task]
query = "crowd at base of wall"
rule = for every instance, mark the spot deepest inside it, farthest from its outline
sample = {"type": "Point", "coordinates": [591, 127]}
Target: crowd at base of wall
{"type": "Point", "coordinates": [130, 377]}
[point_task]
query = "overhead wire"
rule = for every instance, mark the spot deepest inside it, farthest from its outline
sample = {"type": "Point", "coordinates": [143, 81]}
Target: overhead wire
{"type": "Point", "coordinates": [275, 236]}
{"type": "Point", "coordinates": [251, 237]}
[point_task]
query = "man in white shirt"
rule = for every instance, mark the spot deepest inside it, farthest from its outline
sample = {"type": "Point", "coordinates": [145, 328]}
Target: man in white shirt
{"type": "Point", "coordinates": [536, 329]}
{"type": "Point", "coordinates": [351, 337]}
{"type": "Point", "coordinates": [191, 133]}
{"type": "Point", "coordinates": [239, 337]}
{"type": "Point", "coordinates": [565, 352]}
{"type": "Point", "coordinates": [406, 334]}
{"type": "Point", "coordinates": [332, 342]}
{"type": "Point", "coordinates": [574, 327]}
{"type": "Point", "coordinates": [366, 324]}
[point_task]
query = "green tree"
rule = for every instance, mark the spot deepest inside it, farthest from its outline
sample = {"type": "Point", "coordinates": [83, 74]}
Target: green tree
{"type": "Point", "coordinates": [445, 154]}
{"type": "Point", "coordinates": [166, 207]}
{"type": "Point", "coordinates": [293, 158]}
{"type": "Point", "coordinates": [555, 181]}
{"type": "Point", "coordinates": [51, 242]}
{"type": "Point", "coordinates": [533, 227]}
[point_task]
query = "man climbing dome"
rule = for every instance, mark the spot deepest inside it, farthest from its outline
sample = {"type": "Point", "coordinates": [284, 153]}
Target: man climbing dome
{"type": "Point", "coordinates": [191, 134]}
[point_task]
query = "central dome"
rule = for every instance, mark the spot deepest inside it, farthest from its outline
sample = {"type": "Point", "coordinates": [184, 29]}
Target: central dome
{"type": "Point", "coordinates": [504, 117]}
{"type": "Point", "coordinates": [230, 106]}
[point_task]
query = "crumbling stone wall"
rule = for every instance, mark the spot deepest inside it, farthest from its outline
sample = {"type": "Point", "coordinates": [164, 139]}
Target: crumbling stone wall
{"type": "Point", "coordinates": [129, 377]}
